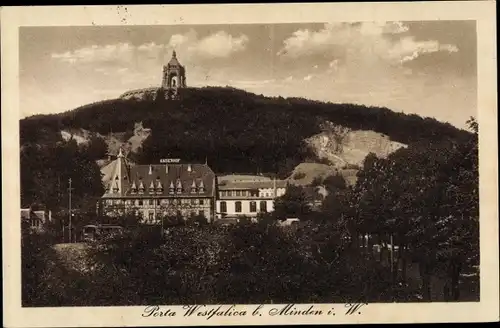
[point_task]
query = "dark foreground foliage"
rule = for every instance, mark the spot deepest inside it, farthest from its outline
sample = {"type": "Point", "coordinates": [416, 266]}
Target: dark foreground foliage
{"type": "Point", "coordinates": [247, 263]}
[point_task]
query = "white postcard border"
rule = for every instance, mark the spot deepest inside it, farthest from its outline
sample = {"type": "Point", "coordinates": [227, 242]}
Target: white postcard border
{"type": "Point", "coordinates": [481, 11]}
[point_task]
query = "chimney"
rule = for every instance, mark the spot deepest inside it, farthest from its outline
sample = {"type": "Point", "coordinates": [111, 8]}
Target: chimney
{"type": "Point", "coordinates": [189, 168]}
{"type": "Point", "coordinates": [119, 169]}
{"type": "Point", "coordinates": [166, 169]}
{"type": "Point", "coordinates": [150, 169]}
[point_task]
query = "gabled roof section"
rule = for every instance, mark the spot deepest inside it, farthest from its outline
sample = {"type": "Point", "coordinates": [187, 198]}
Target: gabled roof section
{"type": "Point", "coordinates": [116, 177]}
{"type": "Point", "coordinates": [180, 177]}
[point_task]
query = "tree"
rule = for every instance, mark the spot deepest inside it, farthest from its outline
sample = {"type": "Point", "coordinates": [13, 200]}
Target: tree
{"type": "Point", "coordinates": [426, 196]}
{"type": "Point", "coordinates": [97, 147]}
{"type": "Point", "coordinates": [292, 203]}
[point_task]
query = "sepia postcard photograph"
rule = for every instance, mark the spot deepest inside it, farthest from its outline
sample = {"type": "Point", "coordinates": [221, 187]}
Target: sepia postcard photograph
{"type": "Point", "coordinates": [249, 164]}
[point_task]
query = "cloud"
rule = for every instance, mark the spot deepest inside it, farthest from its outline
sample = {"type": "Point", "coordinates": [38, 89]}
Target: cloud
{"type": "Point", "coordinates": [408, 49]}
{"type": "Point", "coordinates": [217, 45]}
{"type": "Point", "coordinates": [308, 77]}
{"type": "Point", "coordinates": [93, 54]}
{"type": "Point", "coordinates": [366, 42]}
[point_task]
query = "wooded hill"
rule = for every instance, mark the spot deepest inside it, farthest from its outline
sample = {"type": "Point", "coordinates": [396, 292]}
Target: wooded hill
{"type": "Point", "coordinates": [235, 130]}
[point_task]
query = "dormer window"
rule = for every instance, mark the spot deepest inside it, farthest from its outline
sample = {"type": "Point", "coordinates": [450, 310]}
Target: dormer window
{"type": "Point", "coordinates": [201, 188]}
{"type": "Point", "coordinates": [133, 188]}
{"type": "Point", "coordinates": [141, 188]}
{"type": "Point", "coordinates": [115, 188]}
{"type": "Point", "coordinates": [159, 186]}
{"type": "Point", "coordinates": [193, 187]}
{"type": "Point", "coordinates": [171, 188]}
{"type": "Point", "coordinates": [151, 188]}
{"type": "Point", "coordinates": [179, 186]}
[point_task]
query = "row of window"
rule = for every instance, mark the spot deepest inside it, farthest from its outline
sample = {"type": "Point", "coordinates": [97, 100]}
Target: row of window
{"type": "Point", "coordinates": [239, 193]}
{"type": "Point", "coordinates": [244, 193]}
{"type": "Point", "coordinates": [238, 207]}
{"type": "Point", "coordinates": [171, 191]}
{"type": "Point", "coordinates": [141, 202]}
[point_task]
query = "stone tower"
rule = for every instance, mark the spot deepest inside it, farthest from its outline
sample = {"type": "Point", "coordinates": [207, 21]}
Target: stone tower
{"type": "Point", "coordinates": [174, 78]}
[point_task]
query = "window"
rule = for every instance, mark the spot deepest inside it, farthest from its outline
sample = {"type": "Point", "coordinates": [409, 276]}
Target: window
{"type": "Point", "coordinates": [238, 207]}
{"type": "Point", "coordinates": [253, 207]}
{"type": "Point", "coordinates": [193, 201]}
{"type": "Point", "coordinates": [178, 201]}
{"type": "Point", "coordinates": [140, 202]}
{"type": "Point", "coordinates": [151, 216]}
{"type": "Point", "coordinates": [238, 193]}
{"type": "Point", "coordinates": [201, 213]}
{"type": "Point", "coordinates": [150, 202]}
{"type": "Point", "coordinates": [223, 207]}
{"type": "Point", "coordinates": [201, 201]}
{"type": "Point", "coordinates": [263, 206]}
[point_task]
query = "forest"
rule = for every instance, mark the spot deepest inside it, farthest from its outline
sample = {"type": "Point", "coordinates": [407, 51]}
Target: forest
{"type": "Point", "coordinates": [421, 204]}
{"type": "Point", "coordinates": [234, 130]}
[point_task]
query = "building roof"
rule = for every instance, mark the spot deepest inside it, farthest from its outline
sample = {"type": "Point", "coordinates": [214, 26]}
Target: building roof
{"type": "Point", "coordinates": [251, 184]}
{"type": "Point", "coordinates": [25, 213]}
{"type": "Point", "coordinates": [39, 215]}
{"type": "Point", "coordinates": [173, 61]}
{"type": "Point", "coordinates": [158, 180]}
{"type": "Point", "coordinates": [242, 177]}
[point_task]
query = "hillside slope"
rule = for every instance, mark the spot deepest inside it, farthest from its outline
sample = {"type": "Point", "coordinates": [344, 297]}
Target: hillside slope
{"type": "Point", "coordinates": [237, 131]}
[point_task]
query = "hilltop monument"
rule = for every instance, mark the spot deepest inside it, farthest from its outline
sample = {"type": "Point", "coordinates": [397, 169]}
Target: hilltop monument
{"type": "Point", "coordinates": [174, 78]}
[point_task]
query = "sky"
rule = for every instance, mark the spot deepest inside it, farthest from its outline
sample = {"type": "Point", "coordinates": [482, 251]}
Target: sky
{"type": "Point", "coordinates": [426, 68]}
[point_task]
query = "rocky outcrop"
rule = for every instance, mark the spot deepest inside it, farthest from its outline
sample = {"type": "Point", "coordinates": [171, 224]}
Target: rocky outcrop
{"type": "Point", "coordinates": [113, 140]}
{"type": "Point", "coordinates": [342, 147]}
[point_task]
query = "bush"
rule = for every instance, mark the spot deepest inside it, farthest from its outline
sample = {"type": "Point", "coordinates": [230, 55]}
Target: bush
{"type": "Point", "coordinates": [299, 175]}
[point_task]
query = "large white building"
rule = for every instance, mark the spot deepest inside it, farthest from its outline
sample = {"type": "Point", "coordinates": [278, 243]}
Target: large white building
{"type": "Point", "coordinates": [176, 188]}
{"type": "Point", "coordinates": [172, 188]}
{"type": "Point", "coordinates": [246, 195]}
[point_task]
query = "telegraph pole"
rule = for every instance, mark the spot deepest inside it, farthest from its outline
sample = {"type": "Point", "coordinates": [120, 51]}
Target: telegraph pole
{"type": "Point", "coordinates": [69, 227]}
